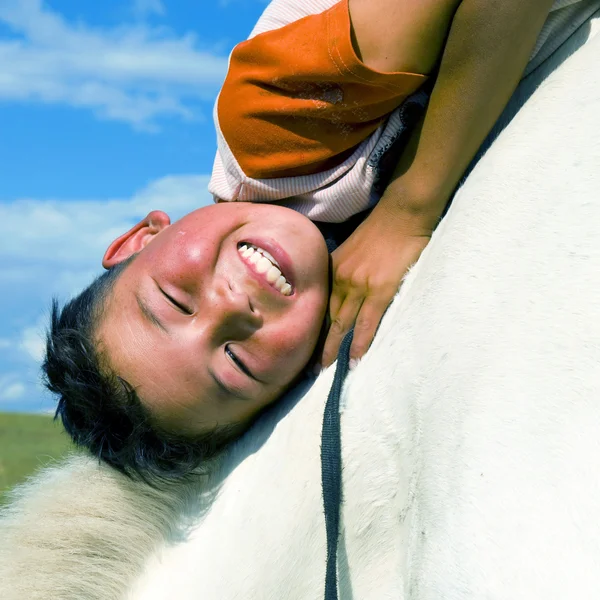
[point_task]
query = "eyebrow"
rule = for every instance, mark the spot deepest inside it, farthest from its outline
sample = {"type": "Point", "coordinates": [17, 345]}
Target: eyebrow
{"type": "Point", "coordinates": [149, 315]}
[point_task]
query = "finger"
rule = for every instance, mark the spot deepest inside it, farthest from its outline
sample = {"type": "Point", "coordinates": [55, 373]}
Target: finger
{"type": "Point", "coordinates": [367, 322]}
{"type": "Point", "coordinates": [340, 325]}
{"type": "Point", "coordinates": [336, 301]}
{"type": "Point", "coordinates": [340, 288]}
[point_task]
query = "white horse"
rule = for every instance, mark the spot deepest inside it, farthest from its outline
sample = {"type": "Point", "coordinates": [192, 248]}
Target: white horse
{"type": "Point", "coordinates": [471, 429]}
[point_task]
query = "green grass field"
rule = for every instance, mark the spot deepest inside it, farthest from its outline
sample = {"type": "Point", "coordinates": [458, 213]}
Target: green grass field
{"type": "Point", "coordinates": [27, 443]}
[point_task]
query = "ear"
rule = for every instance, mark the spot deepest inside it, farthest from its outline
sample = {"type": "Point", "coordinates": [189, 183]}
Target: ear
{"type": "Point", "coordinates": [136, 239]}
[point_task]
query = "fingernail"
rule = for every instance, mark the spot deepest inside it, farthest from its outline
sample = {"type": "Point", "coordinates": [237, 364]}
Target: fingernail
{"type": "Point", "coordinates": [353, 362]}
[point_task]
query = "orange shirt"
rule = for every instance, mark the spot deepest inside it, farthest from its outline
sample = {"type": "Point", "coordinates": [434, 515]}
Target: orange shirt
{"type": "Point", "coordinates": [297, 100]}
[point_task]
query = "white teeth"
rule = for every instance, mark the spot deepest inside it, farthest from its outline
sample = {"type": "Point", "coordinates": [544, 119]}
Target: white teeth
{"type": "Point", "coordinates": [280, 282]}
{"type": "Point", "coordinates": [263, 252]}
{"type": "Point", "coordinates": [267, 255]}
{"type": "Point", "coordinates": [266, 265]}
{"type": "Point", "coordinates": [273, 274]}
{"type": "Point", "coordinates": [263, 265]}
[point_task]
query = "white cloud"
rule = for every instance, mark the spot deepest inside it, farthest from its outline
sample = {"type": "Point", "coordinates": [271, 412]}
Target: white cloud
{"type": "Point", "coordinates": [134, 73]}
{"type": "Point", "coordinates": [32, 342]}
{"type": "Point", "coordinates": [11, 390]}
{"type": "Point", "coordinates": [74, 233]}
{"type": "Point", "coordinates": [141, 8]}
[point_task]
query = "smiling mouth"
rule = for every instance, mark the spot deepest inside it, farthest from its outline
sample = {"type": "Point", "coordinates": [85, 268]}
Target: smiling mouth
{"type": "Point", "coordinates": [264, 264]}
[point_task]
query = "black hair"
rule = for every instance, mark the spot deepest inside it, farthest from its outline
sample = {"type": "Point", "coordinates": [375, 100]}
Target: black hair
{"type": "Point", "coordinates": [101, 411]}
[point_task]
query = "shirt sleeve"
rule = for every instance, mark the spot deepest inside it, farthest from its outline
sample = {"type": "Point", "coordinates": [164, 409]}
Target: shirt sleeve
{"type": "Point", "coordinates": [297, 100]}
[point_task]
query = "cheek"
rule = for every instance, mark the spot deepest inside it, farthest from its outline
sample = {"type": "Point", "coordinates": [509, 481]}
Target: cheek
{"type": "Point", "coordinates": [294, 339]}
{"type": "Point", "coordinates": [186, 260]}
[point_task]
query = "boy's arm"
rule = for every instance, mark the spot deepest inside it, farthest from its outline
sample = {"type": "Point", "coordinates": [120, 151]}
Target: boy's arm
{"type": "Point", "coordinates": [487, 50]}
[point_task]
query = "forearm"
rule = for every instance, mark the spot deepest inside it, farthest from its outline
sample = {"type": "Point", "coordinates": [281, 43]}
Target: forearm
{"type": "Point", "coordinates": [487, 50]}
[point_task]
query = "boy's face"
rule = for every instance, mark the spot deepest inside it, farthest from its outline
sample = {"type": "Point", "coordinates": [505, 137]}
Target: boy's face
{"type": "Point", "coordinates": [195, 327]}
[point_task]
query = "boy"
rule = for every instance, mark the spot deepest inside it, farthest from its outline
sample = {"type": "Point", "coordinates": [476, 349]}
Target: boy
{"type": "Point", "coordinates": [216, 315]}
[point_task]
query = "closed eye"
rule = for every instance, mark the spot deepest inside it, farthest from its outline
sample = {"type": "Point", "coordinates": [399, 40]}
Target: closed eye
{"type": "Point", "coordinates": [241, 366]}
{"type": "Point", "coordinates": [178, 305]}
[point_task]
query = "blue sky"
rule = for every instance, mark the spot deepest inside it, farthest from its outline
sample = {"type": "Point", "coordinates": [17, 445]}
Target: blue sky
{"type": "Point", "coordinates": [105, 114]}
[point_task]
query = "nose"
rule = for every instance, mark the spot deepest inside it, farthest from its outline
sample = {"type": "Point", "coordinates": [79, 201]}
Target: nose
{"type": "Point", "coordinates": [230, 311]}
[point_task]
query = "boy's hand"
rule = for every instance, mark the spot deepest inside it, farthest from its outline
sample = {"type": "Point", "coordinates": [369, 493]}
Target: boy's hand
{"type": "Point", "coordinates": [367, 271]}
